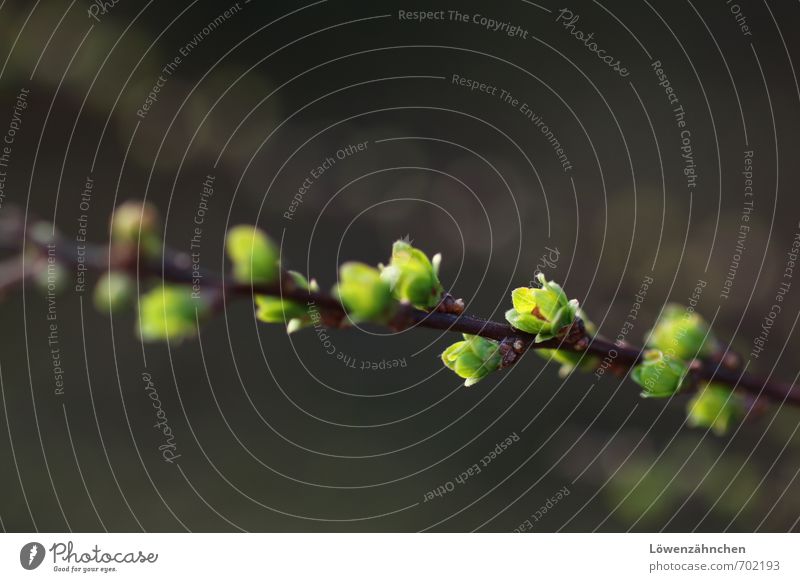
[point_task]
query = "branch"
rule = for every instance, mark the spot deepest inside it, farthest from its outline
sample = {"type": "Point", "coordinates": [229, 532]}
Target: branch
{"type": "Point", "coordinates": [176, 267]}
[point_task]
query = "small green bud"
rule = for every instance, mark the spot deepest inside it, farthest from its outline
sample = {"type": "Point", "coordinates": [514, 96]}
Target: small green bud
{"type": "Point", "coordinates": [253, 254]}
{"type": "Point", "coordinates": [271, 309]}
{"type": "Point", "coordinates": [137, 223]}
{"type": "Point", "coordinates": [542, 311]}
{"type": "Point", "coordinates": [683, 333]}
{"type": "Point", "coordinates": [715, 407]}
{"type": "Point", "coordinates": [365, 295]}
{"type": "Point", "coordinates": [660, 375]}
{"type": "Point", "coordinates": [114, 292]}
{"type": "Point", "coordinates": [169, 312]}
{"type": "Point", "coordinates": [413, 277]}
{"type": "Point", "coordinates": [473, 359]}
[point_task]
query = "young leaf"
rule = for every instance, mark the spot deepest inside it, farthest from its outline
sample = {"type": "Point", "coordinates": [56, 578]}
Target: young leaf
{"type": "Point", "coordinates": [363, 292]}
{"type": "Point", "coordinates": [253, 255]}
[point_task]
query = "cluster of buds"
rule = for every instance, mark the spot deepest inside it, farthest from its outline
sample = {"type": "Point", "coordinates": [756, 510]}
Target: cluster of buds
{"type": "Point", "coordinates": [715, 407]}
{"type": "Point", "coordinates": [473, 358]}
{"type": "Point", "coordinates": [543, 311]}
{"type": "Point", "coordinates": [172, 311]}
{"type": "Point", "coordinates": [680, 336]}
{"type": "Point", "coordinates": [166, 311]}
{"type": "Point", "coordinates": [135, 229]}
{"type": "Point", "coordinates": [371, 294]}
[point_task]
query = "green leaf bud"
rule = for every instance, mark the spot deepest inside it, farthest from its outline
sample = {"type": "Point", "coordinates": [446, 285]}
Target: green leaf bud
{"type": "Point", "coordinates": [253, 254]}
{"type": "Point", "coordinates": [715, 407]}
{"type": "Point", "coordinates": [451, 353]}
{"type": "Point", "coordinates": [542, 311]}
{"type": "Point", "coordinates": [169, 312]}
{"type": "Point", "coordinates": [137, 223]}
{"type": "Point", "coordinates": [275, 310]}
{"type": "Point", "coordinates": [683, 333]}
{"type": "Point", "coordinates": [473, 359]}
{"type": "Point", "coordinates": [364, 294]}
{"type": "Point", "coordinates": [413, 277]}
{"type": "Point", "coordinates": [659, 375]}
{"type": "Point", "coordinates": [114, 292]}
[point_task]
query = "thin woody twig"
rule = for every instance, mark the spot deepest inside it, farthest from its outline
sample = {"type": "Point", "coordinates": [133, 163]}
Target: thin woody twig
{"type": "Point", "coordinates": [176, 267]}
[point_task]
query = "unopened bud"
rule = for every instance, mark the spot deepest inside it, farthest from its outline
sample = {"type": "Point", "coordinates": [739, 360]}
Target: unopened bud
{"type": "Point", "coordinates": [413, 277]}
{"type": "Point", "coordinates": [473, 359]}
{"type": "Point", "coordinates": [114, 291]}
{"type": "Point", "coordinates": [715, 407]}
{"type": "Point", "coordinates": [659, 375]}
{"type": "Point", "coordinates": [137, 223]}
{"type": "Point", "coordinates": [542, 311]}
{"type": "Point", "coordinates": [683, 333]}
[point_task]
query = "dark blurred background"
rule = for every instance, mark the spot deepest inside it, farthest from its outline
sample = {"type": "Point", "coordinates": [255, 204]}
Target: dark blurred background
{"type": "Point", "coordinates": [275, 433]}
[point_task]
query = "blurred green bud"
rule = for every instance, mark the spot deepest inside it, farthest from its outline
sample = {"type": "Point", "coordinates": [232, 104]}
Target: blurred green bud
{"type": "Point", "coordinates": [253, 255]}
{"type": "Point", "coordinates": [473, 359]}
{"type": "Point", "coordinates": [542, 311]}
{"type": "Point", "coordinates": [365, 295]}
{"type": "Point", "coordinates": [683, 333]}
{"type": "Point", "coordinates": [137, 223]}
{"type": "Point", "coordinates": [715, 407]}
{"type": "Point", "coordinates": [114, 291]}
{"type": "Point", "coordinates": [271, 309]}
{"type": "Point", "coordinates": [168, 312]}
{"type": "Point", "coordinates": [412, 277]}
{"type": "Point", "coordinates": [51, 276]}
{"type": "Point", "coordinates": [42, 233]}
{"type": "Point", "coordinates": [276, 310]}
{"type": "Point", "coordinates": [659, 375]}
